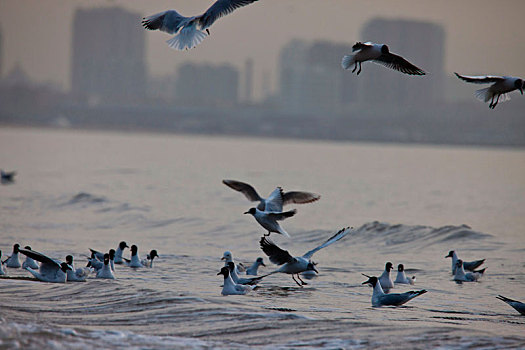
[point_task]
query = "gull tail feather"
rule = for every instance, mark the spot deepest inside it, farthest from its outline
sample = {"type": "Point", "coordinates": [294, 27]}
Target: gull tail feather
{"type": "Point", "coordinates": [188, 38]}
{"type": "Point", "coordinates": [347, 61]}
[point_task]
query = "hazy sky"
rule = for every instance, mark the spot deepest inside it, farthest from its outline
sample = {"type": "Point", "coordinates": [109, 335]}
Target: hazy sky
{"type": "Point", "coordinates": [482, 36]}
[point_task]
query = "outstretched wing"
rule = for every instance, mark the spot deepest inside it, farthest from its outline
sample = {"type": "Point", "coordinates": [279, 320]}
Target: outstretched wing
{"type": "Point", "coordinates": [300, 197]}
{"type": "Point", "coordinates": [282, 215]}
{"type": "Point", "coordinates": [275, 254]}
{"type": "Point", "coordinates": [168, 21]}
{"type": "Point", "coordinates": [398, 63]}
{"type": "Point", "coordinates": [275, 201]}
{"type": "Point", "coordinates": [40, 257]}
{"type": "Point", "coordinates": [340, 234]}
{"type": "Point", "coordinates": [248, 191]}
{"type": "Point", "coordinates": [482, 79]}
{"type": "Point", "coordinates": [219, 9]}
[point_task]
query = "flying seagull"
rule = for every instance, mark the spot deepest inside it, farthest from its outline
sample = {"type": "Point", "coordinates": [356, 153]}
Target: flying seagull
{"type": "Point", "coordinates": [499, 89]}
{"type": "Point", "coordinates": [295, 265]}
{"type": "Point", "coordinates": [380, 54]}
{"type": "Point", "coordinates": [268, 219]}
{"type": "Point", "coordinates": [276, 200]}
{"type": "Point", "coordinates": [189, 30]}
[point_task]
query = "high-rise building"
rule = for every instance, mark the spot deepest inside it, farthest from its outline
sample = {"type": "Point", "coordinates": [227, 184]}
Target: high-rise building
{"type": "Point", "coordinates": [421, 43]}
{"type": "Point", "coordinates": [248, 81]}
{"type": "Point", "coordinates": [108, 55]}
{"type": "Point", "coordinates": [311, 78]}
{"type": "Point", "coordinates": [207, 85]}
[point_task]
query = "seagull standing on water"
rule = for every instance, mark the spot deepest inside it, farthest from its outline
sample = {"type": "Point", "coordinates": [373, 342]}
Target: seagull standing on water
{"type": "Point", "coordinates": [276, 200]}
{"type": "Point", "coordinates": [97, 263]}
{"type": "Point", "coordinates": [29, 262]}
{"type": "Point", "coordinates": [51, 270]}
{"type": "Point", "coordinates": [380, 54]}
{"type": "Point", "coordinates": [78, 275]}
{"type": "Point", "coordinates": [189, 30]}
{"type": "Point", "coordinates": [252, 270]}
{"type": "Point", "coordinates": [118, 253]}
{"type": "Point", "coordinates": [379, 298]}
{"type": "Point", "coordinates": [231, 288]}
{"type": "Point", "coordinates": [401, 278]}
{"type": "Point", "coordinates": [501, 86]}
{"type": "Point", "coordinates": [105, 271]}
{"type": "Point", "coordinates": [517, 305]}
{"type": "Point", "coordinates": [461, 276]}
{"type": "Point", "coordinates": [467, 265]}
{"type": "Point", "coordinates": [13, 261]}
{"type": "Point", "coordinates": [295, 265]}
{"type": "Point", "coordinates": [135, 261]}
{"type": "Point", "coordinates": [385, 280]}
{"type": "Point", "coordinates": [148, 262]}
{"type": "Point", "coordinates": [227, 256]}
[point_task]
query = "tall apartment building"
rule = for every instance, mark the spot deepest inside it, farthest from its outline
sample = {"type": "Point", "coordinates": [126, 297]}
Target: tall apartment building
{"type": "Point", "coordinates": [421, 43]}
{"type": "Point", "coordinates": [108, 55]}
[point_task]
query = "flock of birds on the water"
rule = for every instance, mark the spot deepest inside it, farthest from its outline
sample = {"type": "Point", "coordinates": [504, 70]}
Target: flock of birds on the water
{"type": "Point", "coordinates": [190, 31]}
{"type": "Point", "coordinates": [239, 280]}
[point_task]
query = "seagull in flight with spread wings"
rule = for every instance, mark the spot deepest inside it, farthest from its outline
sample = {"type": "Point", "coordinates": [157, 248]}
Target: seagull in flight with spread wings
{"type": "Point", "coordinates": [295, 265]}
{"type": "Point", "coordinates": [380, 54]}
{"type": "Point", "coordinates": [499, 89]}
{"type": "Point", "coordinates": [189, 30]}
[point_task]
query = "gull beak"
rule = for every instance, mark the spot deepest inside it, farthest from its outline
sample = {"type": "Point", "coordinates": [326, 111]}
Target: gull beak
{"type": "Point", "coordinates": [223, 258]}
{"type": "Point", "coordinates": [246, 212]}
{"type": "Point", "coordinates": [262, 264]}
{"type": "Point", "coordinates": [220, 273]}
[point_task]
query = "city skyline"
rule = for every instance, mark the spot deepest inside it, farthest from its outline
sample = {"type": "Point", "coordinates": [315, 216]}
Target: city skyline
{"type": "Point", "coordinates": [482, 37]}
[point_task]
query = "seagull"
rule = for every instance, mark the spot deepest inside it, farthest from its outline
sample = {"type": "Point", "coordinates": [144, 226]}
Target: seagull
{"type": "Point", "coordinates": [467, 265]}
{"type": "Point", "coordinates": [148, 262]}
{"type": "Point", "coordinates": [14, 260]}
{"type": "Point", "coordinates": [29, 262]}
{"type": "Point", "coordinates": [189, 30]}
{"type": "Point", "coordinates": [296, 265]}
{"type": "Point", "coordinates": [461, 276]}
{"type": "Point", "coordinates": [118, 253]}
{"type": "Point", "coordinates": [239, 280]}
{"type": "Point", "coordinates": [3, 270]}
{"type": "Point", "coordinates": [97, 264]}
{"type": "Point", "coordinates": [517, 305]}
{"type": "Point", "coordinates": [380, 54]}
{"type": "Point", "coordinates": [379, 298]}
{"type": "Point", "coordinates": [7, 177]}
{"type": "Point", "coordinates": [228, 257]}
{"type": "Point", "coordinates": [499, 89]}
{"type": "Point", "coordinates": [135, 261]}
{"type": "Point", "coordinates": [231, 288]}
{"type": "Point", "coordinates": [50, 270]}
{"type": "Point", "coordinates": [105, 271]}
{"type": "Point", "coordinates": [78, 275]}
{"type": "Point", "coordinates": [402, 278]}
{"type": "Point", "coordinates": [385, 280]}
{"type": "Point", "coordinates": [277, 198]}
{"type": "Point", "coordinates": [252, 270]}
{"type": "Point", "coordinates": [268, 219]}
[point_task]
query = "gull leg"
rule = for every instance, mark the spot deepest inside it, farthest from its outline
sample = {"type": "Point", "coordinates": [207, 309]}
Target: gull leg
{"type": "Point", "coordinates": [208, 31]}
{"type": "Point", "coordinates": [303, 282]}
{"type": "Point", "coordinates": [355, 67]}
{"type": "Point", "coordinates": [497, 100]}
{"type": "Point", "coordinates": [491, 102]}
{"type": "Point", "coordinates": [359, 71]}
{"type": "Point", "coordinates": [300, 285]}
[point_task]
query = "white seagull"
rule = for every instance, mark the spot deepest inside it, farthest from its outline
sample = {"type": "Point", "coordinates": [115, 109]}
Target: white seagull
{"type": "Point", "coordinates": [97, 264]}
{"type": "Point", "coordinates": [51, 270]}
{"type": "Point", "coordinates": [401, 278]}
{"type": "Point", "coordinates": [517, 305]}
{"type": "Point", "coordinates": [189, 30]}
{"type": "Point", "coordinates": [29, 262]}
{"type": "Point", "coordinates": [379, 298]}
{"type": "Point", "coordinates": [105, 271]}
{"type": "Point", "coordinates": [252, 270]}
{"type": "Point", "coordinates": [135, 261]}
{"type": "Point", "coordinates": [296, 265]}
{"type": "Point", "coordinates": [467, 265]}
{"type": "Point", "coordinates": [277, 199]}
{"type": "Point", "coordinates": [268, 219]}
{"type": "Point", "coordinates": [461, 276]}
{"type": "Point", "coordinates": [78, 275]}
{"type": "Point", "coordinates": [227, 256]}
{"type": "Point", "coordinates": [231, 288]}
{"type": "Point", "coordinates": [385, 280]}
{"type": "Point", "coordinates": [380, 54]}
{"type": "Point", "coordinates": [3, 270]}
{"type": "Point", "coordinates": [13, 261]}
{"type": "Point", "coordinates": [501, 86]}
{"type": "Point", "coordinates": [148, 261]}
